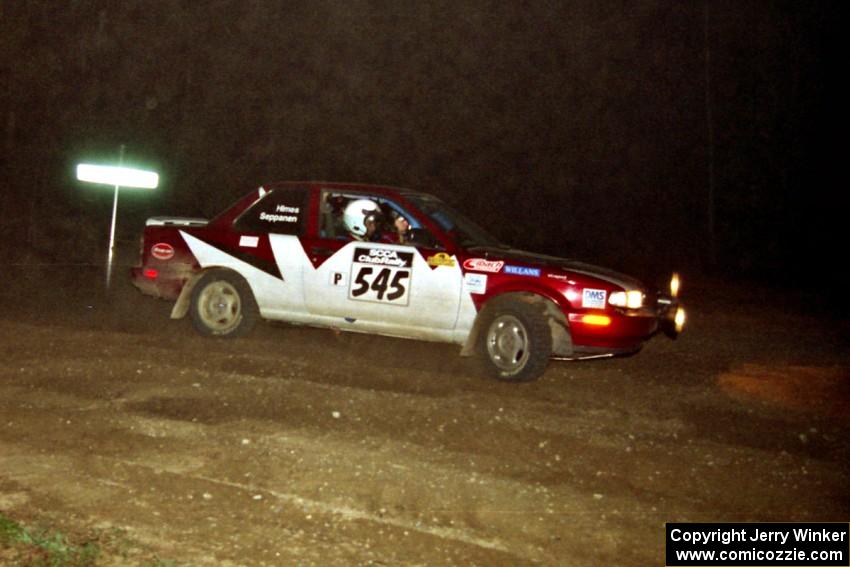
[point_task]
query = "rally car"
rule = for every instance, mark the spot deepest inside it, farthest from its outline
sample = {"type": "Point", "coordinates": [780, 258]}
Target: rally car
{"type": "Point", "coordinates": [394, 262]}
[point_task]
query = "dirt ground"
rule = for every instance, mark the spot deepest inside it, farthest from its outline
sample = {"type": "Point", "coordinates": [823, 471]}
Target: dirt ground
{"type": "Point", "coordinates": [298, 446]}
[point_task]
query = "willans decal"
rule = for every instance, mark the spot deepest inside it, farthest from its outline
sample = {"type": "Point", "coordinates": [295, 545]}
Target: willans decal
{"type": "Point", "coordinates": [523, 271]}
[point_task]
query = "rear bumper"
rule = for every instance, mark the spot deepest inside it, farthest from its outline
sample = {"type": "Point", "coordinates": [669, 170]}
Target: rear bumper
{"type": "Point", "coordinates": [152, 282]}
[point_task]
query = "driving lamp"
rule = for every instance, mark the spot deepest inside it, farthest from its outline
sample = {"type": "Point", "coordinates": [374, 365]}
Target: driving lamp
{"type": "Point", "coordinates": [679, 319]}
{"type": "Point", "coordinates": [675, 282]}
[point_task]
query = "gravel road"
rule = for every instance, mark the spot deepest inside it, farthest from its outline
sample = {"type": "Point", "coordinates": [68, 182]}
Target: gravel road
{"type": "Point", "coordinates": [298, 446]}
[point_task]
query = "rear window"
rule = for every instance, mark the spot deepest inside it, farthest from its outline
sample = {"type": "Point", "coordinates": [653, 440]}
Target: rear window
{"type": "Point", "coordinates": [281, 211]}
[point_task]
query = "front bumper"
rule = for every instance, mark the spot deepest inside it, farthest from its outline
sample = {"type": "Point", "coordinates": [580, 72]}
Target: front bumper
{"type": "Point", "coordinates": [625, 330]}
{"type": "Point", "coordinates": [671, 315]}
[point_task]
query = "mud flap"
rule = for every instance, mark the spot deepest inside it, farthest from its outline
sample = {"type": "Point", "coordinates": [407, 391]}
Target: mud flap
{"type": "Point", "coordinates": [184, 300]}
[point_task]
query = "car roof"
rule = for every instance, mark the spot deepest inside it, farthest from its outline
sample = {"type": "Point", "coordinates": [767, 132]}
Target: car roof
{"type": "Point", "coordinates": [383, 190]}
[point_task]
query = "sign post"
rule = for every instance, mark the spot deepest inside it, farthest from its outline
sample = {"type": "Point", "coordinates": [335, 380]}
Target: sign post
{"type": "Point", "coordinates": [117, 177]}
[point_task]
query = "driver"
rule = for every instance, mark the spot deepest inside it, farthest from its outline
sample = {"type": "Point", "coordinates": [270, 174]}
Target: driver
{"type": "Point", "coordinates": [371, 221]}
{"type": "Point", "coordinates": [362, 219]}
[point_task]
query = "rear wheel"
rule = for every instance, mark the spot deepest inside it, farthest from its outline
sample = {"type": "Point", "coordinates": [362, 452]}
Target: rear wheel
{"type": "Point", "coordinates": [223, 305]}
{"type": "Point", "coordinates": [515, 341]}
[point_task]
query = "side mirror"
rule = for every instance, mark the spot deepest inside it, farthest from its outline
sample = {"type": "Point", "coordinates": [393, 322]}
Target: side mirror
{"type": "Point", "coordinates": [421, 237]}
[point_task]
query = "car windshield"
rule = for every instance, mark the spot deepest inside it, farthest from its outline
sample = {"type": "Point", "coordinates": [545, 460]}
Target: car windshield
{"type": "Point", "coordinates": [465, 232]}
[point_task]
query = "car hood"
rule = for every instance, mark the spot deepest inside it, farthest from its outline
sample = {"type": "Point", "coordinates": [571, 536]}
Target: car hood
{"type": "Point", "coordinates": [566, 264]}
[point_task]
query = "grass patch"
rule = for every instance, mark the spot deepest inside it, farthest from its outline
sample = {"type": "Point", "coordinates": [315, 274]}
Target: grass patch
{"type": "Point", "coordinates": [43, 548]}
{"type": "Point", "coordinates": [20, 545]}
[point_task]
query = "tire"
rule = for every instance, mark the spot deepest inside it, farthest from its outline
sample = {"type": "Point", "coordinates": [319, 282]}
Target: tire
{"type": "Point", "coordinates": [515, 342]}
{"type": "Point", "coordinates": [223, 305]}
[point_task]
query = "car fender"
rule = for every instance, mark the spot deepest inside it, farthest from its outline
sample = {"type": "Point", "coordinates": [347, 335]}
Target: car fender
{"type": "Point", "coordinates": [561, 340]}
{"type": "Point", "coordinates": [184, 300]}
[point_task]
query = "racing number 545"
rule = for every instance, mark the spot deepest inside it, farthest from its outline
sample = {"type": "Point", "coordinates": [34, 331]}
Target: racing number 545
{"type": "Point", "coordinates": [388, 285]}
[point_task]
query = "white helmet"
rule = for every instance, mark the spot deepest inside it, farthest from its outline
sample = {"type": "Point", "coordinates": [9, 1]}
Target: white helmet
{"type": "Point", "coordinates": [356, 212]}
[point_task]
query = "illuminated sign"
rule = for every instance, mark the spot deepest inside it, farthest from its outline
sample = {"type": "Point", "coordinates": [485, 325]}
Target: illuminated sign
{"type": "Point", "coordinates": [117, 176]}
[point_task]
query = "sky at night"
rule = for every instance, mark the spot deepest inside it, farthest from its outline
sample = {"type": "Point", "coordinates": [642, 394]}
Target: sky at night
{"type": "Point", "coordinates": [646, 135]}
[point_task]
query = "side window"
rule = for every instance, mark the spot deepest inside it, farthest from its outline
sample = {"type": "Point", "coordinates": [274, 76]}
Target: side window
{"type": "Point", "coordinates": [281, 211]}
{"type": "Point", "coordinates": [368, 218]}
{"type": "Point", "coordinates": [331, 211]}
{"type": "Point", "coordinates": [344, 216]}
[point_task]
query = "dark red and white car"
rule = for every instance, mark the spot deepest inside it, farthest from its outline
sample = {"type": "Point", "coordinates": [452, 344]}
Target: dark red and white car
{"type": "Point", "coordinates": [305, 253]}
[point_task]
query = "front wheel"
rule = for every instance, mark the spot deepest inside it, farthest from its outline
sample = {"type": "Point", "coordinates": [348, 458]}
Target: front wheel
{"type": "Point", "coordinates": [223, 305]}
{"type": "Point", "coordinates": [516, 342]}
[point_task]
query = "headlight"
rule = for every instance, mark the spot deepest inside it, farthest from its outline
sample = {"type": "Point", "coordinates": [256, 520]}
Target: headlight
{"type": "Point", "coordinates": [633, 299]}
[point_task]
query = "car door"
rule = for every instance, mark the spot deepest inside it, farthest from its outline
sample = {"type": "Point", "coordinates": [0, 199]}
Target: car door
{"type": "Point", "coordinates": [378, 285]}
{"type": "Point", "coordinates": [266, 239]}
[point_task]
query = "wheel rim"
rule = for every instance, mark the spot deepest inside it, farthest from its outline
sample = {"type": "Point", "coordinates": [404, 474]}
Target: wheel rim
{"type": "Point", "coordinates": [220, 307]}
{"type": "Point", "coordinates": [507, 343]}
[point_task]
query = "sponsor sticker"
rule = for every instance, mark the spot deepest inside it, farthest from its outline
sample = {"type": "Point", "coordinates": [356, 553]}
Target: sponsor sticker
{"type": "Point", "coordinates": [482, 265]}
{"type": "Point", "coordinates": [249, 241]}
{"type": "Point", "coordinates": [593, 298]}
{"type": "Point", "coordinates": [559, 277]}
{"type": "Point", "coordinates": [475, 283]}
{"type": "Point", "coordinates": [383, 257]}
{"type": "Point", "coordinates": [441, 259]}
{"type": "Point", "coordinates": [522, 271]}
{"type": "Point", "coordinates": [162, 251]}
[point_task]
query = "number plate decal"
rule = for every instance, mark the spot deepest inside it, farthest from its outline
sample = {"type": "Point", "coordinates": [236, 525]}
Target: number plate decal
{"type": "Point", "coordinates": [381, 275]}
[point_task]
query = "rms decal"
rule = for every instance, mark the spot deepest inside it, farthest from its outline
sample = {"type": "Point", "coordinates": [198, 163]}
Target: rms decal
{"type": "Point", "coordinates": [482, 265]}
{"type": "Point", "coordinates": [162, 251]}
